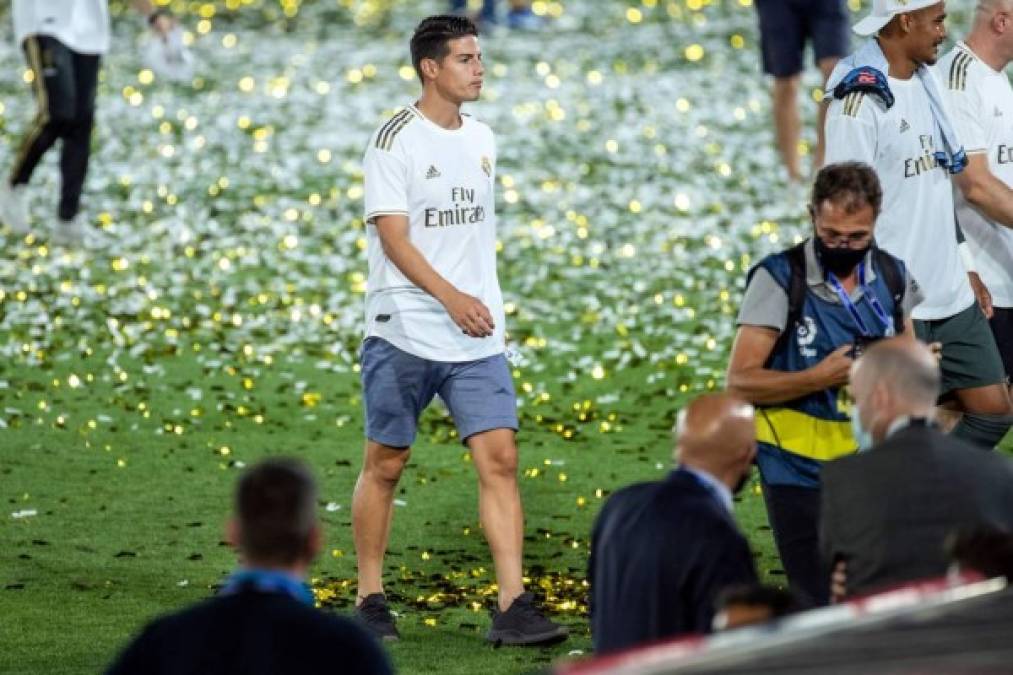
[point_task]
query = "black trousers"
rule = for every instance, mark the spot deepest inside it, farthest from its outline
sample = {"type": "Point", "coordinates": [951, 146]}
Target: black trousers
{"type": "Point", "coordinates": [794, 514]}
{"type": "Point", "coordinates": [64, 86]}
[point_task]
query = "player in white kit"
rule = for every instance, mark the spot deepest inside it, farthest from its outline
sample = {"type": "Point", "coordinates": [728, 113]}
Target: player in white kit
{"type": "Point", "coordinates": [63, 41]}
{"type": "Point", "coordinates": [981, 100]}
{"type": "Point", "coordinates": [889, 111]}
{"type": "Point", "coordinates": [435, 322]}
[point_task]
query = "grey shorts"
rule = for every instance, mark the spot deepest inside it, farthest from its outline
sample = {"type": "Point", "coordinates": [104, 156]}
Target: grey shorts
{"type": "Point", "coordinates": [970, 356]}
{"type": "Point", "coordinates": [398, 386]}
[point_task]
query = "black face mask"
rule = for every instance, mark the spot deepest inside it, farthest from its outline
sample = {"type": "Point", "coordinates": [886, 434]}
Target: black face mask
{"type": "Point", "coordinates": [840, 261]}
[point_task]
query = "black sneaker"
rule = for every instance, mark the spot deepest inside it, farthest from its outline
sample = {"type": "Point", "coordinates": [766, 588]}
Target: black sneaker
{"type": "Point", "coordinates": [375, 615]}
{"type": "Point", "coordinates": [524, 624]}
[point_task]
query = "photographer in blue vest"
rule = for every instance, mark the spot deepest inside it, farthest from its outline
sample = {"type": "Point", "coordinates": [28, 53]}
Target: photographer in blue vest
{"type": "Point", "coordinates": [807, 313]}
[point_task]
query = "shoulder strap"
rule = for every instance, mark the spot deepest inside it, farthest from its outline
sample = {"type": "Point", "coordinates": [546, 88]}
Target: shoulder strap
{"type": "Point", "coordinates": [893, 277]}
{"type": "Point", "coordinates": [796, 293]}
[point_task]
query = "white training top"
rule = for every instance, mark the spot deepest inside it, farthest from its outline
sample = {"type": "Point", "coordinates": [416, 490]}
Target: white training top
{"type": "Point", "coordinates": [916, 223]}
{"type": "Point", "coordinates": [444, 181]}
{"type": "Point", "coordinates": [981, 101]}
{"type": "Point", "coordinates": [82, 25]}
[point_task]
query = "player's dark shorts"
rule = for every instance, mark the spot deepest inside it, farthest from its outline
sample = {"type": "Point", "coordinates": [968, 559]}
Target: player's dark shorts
{"type": "Point", "coordinates": [785, 25]}
{"type": "Point", "coordinates": [970, 356]}
{"type": "Point", "coordinates": [398, 386]}
{"type": "Point", "coordinates": [1002, 329]}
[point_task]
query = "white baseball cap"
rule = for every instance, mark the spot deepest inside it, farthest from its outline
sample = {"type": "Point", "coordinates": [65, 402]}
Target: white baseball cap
{"type": "Point", "coordinates": [884, 10]}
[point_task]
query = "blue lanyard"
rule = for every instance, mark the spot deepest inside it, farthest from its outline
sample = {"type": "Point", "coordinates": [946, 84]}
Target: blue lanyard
{"type": "Point", "coordinates": [877, 308]}
{"type": "Point", "coordinates": [267, 581]}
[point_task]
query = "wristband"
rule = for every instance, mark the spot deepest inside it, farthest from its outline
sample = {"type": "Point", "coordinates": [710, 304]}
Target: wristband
{"type": "Point", "coordinates": [965, 255]}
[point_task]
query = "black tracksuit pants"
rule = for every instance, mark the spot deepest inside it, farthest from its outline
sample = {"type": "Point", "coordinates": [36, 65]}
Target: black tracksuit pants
{"type": "Point", "coordinates": [64, 86]}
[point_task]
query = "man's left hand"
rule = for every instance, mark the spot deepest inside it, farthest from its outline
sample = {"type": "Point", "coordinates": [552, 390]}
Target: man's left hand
{"type": "Point", "coordinates": [982, 294]}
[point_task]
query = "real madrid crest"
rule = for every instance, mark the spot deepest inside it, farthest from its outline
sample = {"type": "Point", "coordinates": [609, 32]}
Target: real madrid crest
{"type": "Point", "coordinates": [487, 166]}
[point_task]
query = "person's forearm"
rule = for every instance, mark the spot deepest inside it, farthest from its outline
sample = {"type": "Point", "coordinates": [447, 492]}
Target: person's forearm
{"type": "Point", "coordinates": [765, 386]}
{"type": "Point", "coordinates": [411, 263]}
{"type": "Point", "coordinates": [992, 197]}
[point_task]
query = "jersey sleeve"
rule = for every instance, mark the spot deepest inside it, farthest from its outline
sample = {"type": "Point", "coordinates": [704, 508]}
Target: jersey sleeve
{"type": "Point", "coordinates": [851, 130]}
{"type": "Point", "coordinates": [386, 181]}
{"type": "Point", "coordinates": [765, 303]}
{"type": "Point", "coordinates": [966, 114]}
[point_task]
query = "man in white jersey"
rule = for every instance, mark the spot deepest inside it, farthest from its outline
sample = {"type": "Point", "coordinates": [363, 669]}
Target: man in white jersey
{"type": "Point", "coordinates": [63, 41]}
{"type": "Point", "coordinates": [435, 322]}
{"type": "Point", "coordinates": [893, 116]}
{"type": "Point", "coordinates": [981, 101]}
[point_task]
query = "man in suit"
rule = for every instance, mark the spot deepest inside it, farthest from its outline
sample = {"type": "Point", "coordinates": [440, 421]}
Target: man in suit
{"type": "Point", "coordinates": [263, 620]}
{"type": "Point", "coordinates": [662, 551]}
{"type": "Point", "coordinates": [886, 513]}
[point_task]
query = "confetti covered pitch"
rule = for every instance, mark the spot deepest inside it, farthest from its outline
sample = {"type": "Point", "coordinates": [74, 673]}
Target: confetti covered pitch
{"type": "Point", "coordinates": [219, 323]}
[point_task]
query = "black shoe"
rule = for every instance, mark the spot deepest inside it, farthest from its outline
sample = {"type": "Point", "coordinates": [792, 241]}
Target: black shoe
{"type": "Point", "coordinates": [524, 624]}
{"type": "Point", "coordinates": [375, 615]}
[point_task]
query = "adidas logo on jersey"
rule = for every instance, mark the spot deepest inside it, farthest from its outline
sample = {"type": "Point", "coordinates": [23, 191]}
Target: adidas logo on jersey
{"type": "Point", "coordinates": [904, 126]}
{"type": "Point", "coordinates": [997, 113]}
{"type": "Point", "coordinates": [433, 172]}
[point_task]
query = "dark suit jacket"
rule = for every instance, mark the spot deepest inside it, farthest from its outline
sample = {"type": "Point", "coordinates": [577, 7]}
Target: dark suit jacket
{"type": "Point", "coordinates": [660, 554]}
{"type": "Point", "coordinates": [888, 511]}
{"type": "Point", "coordinates": [251, 633]}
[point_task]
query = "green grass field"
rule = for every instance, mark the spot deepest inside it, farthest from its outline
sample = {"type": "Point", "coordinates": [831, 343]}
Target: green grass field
{"type": "Point", "coordinates": [218, 323]}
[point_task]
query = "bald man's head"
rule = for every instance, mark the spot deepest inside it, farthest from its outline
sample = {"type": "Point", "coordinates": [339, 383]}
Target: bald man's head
{"type": "Point", "coordinates": [717, 434]}
{"type": "Point", "coordinates": [991, 36]}
{"type": "Point", "coordinates": [990, 7]}
{"type": "Point", "coordinates": [894, 377]}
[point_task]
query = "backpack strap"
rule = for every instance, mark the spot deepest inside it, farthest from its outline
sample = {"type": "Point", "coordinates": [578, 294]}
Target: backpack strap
{"type": "Point", "coordinates": [893, 276]}
{"type": "Point", "coordinates": [796, 294]}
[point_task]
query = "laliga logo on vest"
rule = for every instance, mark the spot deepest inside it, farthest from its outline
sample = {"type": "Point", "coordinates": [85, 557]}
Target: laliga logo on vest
{"type": "Point", "coordinates": [806, 335]}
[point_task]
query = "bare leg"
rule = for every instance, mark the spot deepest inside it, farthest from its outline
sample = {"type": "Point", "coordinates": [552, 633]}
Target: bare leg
{"type": "Point", "coordinates": [826, 67]}
{"type": "Point", "coordinates": [499, 507]}
{"type": "Point", "coordinates": [993, 399]}
{"type": "Point", "coordinates": [787, 124]}
{"type": "Point", "coordinates": [987, 414]}
{"type": "Point", "coordinates": [372, 512]}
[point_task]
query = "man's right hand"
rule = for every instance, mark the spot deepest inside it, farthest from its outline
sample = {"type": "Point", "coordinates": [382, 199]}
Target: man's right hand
{"type": "Point", "coordinates": [833, 371]}
{"type": "Point", "coordinates": [470, 314]}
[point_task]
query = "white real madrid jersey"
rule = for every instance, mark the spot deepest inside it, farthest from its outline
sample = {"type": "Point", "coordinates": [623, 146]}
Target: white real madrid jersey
{"type": "Point", "coordinates": [981, 101]}
{"type": "Point", "coordinates": [444, 181]}
{"type": "Point", "coordinates": [916, 223]}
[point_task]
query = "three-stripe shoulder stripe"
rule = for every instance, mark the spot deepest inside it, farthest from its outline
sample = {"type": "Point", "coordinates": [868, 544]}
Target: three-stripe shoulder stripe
{"type": "Point", "coordinates": [853, 103]}
{"type": "Point", "coordinates": [958, 71]}
{"type": "Point", "coordinates": [385, 138]}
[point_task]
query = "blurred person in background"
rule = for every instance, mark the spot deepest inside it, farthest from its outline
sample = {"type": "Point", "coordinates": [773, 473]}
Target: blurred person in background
{"type": "Point", "coordinates": [519, 15]}
{"type": "Point", "coordinates": [63, 42]}
{"type": "Point", "coordinates": [785, 28]}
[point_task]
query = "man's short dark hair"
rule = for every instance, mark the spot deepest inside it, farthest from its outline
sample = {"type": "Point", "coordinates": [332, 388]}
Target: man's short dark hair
{"type": "Point", "coordinates": [985, 550]}
{"type": "Point", "coordinates": [851, 185]}
{"type": "Point", "coordinates": [276, 509]}
{"type": "Point", "coordinates": [432, 35]}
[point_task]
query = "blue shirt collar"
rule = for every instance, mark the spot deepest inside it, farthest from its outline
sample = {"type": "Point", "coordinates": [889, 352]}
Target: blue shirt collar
{"type": "Point", "coordinates": [269, 581]}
